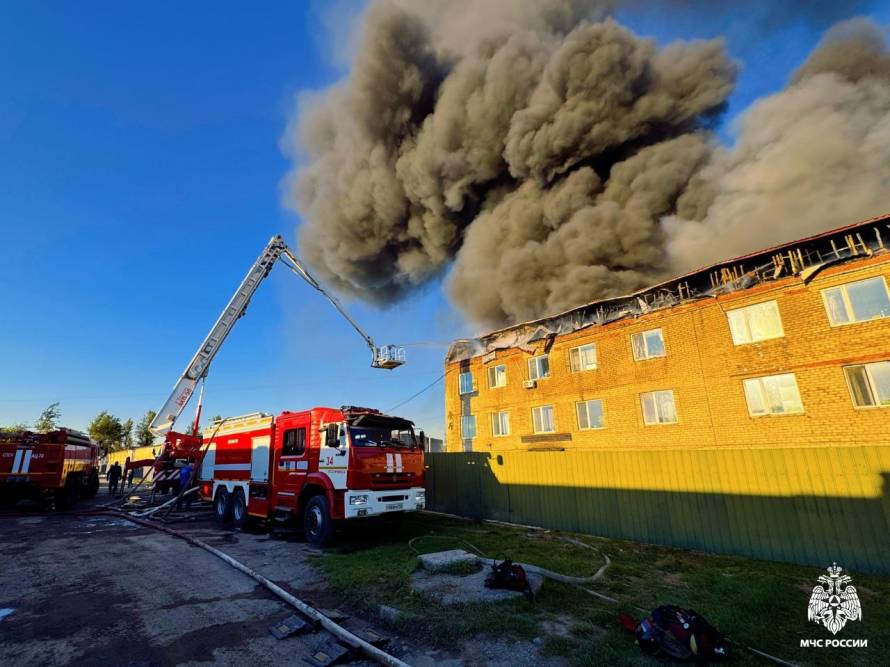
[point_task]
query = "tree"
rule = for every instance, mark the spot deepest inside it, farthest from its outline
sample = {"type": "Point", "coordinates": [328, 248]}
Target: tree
{"type": "Point", "coordinates": [106, 429]}
{"type": "Point", "coordinates": [127, 434]}
{"type": "Point", "coordinates": [144, 436]}
{"type": "Point", "coordinates": [46, 422]}
{"type": "Point", "coordinates": [15, 428]}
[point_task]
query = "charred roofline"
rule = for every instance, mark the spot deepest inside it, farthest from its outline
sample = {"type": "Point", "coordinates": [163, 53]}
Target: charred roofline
{"type": "Point", "coordinates": [804, 257]}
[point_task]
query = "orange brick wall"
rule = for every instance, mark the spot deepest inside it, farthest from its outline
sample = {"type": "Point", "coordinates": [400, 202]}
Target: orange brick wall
{"type": "Point", "coordinates": [705, 371]}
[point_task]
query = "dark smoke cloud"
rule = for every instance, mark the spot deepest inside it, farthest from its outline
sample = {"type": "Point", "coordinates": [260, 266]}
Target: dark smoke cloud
{"type": "Point", "coordinates": [544, 152]}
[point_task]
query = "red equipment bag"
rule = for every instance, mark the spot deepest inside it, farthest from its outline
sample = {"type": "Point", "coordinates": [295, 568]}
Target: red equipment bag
{"type": "Point", "coordinates": [510, 576]}
{"type": "Point", "coordinates": [679, 633]}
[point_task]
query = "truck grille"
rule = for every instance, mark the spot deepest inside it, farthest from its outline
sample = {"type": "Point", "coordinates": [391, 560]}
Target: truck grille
{"type": "Point", "coordinates": [391, 480]}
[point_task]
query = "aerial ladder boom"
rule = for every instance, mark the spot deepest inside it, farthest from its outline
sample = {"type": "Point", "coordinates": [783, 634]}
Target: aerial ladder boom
{"type": "Point", "coordinates": [387, 356]}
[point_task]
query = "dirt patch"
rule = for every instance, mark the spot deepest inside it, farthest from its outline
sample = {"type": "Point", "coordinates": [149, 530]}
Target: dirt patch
{"type": "Point", "coordinates": [674, 579]}
{"type": "Point", "coordinates": [560, 626]}
{"type": "Point", "coordinates": [258, 593]}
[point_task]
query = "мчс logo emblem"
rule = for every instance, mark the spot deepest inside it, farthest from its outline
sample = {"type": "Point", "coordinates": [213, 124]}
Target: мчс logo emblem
{"type": "Point", "coordinates": [835, 605]}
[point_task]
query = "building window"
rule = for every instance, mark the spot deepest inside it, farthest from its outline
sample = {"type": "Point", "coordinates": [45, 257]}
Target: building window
{"type": "Point", "coordinates": [500, 423]}
{"type": "Point", "coordinates": [869, 384]}
{"type": "Point", "coordinates": [755, 323]}
{"type": "Point", "coordinates": [466, 383]}
{"type": "Point", "coordinates": [648, 344]}
{"type": "Point", "coordinates": [658, 407]}
{"type": "Point", "coordinates": [582, 358]}
{"type": "Point", "coordinates": [468, 426]}
{"type": "Point", "coordinates": [542, 419]}
{"type": "Point", "coordinates": [857, 302]}
{"type": "Point", "coordinates": [539, 367]}
{"type": "Point", "coordinates": [497, 376]}
{"type": "Point", "coordinates": [590, 414]}
{"type": "Point", "coordinates": [773, 395]}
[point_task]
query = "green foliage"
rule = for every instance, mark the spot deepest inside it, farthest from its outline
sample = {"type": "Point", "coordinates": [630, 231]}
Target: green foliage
{"type": "Point", "coordinates": [144, 437]}
{"type": "Point", "coordinates": [15, 428]}
{"type": "Point", "coordinates": [48, 419]}
{"type": "Point", "coordinates": [107, 430]}
{"type": "Point", "coordinates": [127, 434]}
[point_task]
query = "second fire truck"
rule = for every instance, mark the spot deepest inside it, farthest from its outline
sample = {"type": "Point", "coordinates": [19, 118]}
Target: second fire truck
{"type": "Point", "coordinates": [62, 466]}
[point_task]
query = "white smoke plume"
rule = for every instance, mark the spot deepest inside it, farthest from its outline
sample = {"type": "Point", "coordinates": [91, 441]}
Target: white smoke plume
{"type": "Point", "coordinates": [812, 157]}
{"type": "Point", "coordinates": [549, 157]}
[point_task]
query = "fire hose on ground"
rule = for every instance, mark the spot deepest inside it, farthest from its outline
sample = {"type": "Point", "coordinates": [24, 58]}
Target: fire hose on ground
{"type": "Point", "coordinates": [572, 581]}
{"type": "Point", "coordinates": [353, 641]}
{"type": "Point", "coordinates": [338, 631]}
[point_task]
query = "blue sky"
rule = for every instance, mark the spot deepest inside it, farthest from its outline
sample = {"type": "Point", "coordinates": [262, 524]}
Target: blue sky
{"type": "Point", "coordinates": [140, 171]}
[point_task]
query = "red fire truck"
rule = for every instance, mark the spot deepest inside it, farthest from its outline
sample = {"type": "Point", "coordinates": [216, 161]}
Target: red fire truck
{"type": "Point", "coordinates": [61, 465]}
{"type": "Point", "coordinates": [317, 467]}
{"type": "Point", "coordinates": [175, 451]}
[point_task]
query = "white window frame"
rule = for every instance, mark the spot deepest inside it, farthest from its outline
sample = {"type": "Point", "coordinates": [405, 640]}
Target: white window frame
{"type": "Point", "coordinates": [460, 383]}
{"type": "Point", "coordinates": [577, 352]}
{"type": "Point", "coordinates": [503, 375]}
{"type": "Point", "coordinates": [744, 310]}
{"type": "Point", "coordinates": [645, 346]}
{"type": "Point", "coordinates": [848, 305]}
{"type": "Point", "coordinates": [500, 423]}
{"type": "Point", "coordinates": [586, 405]}
{"type": "Point", "coordinates": [463, 424]}
{"type": "Point", "coordinates": [533, 362]}
{"type": "Point", "coordinates": [871, 385]}
{"type": "Point", "coordinates": [540, 419]}
{"type": "Point", "coordinates": [764, 396]}
{"type": "Point", "coordinates": [655, 404]}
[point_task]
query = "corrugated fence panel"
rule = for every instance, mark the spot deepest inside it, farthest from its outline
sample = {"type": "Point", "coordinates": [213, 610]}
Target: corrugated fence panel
{"type": "Point", "coordinates": [803, 505]}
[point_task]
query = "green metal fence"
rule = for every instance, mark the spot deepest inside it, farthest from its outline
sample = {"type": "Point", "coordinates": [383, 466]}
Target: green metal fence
{"type": "Point", "coordinates": [810, 506]}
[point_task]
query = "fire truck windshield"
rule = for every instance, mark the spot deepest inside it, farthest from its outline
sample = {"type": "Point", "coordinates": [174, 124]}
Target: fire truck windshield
{"type": "Point", "coordinates": [379, 436]}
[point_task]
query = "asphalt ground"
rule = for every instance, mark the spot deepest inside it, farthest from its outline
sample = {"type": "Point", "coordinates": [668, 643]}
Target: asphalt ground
{"type": "Point", "coordinates": [100, 590]}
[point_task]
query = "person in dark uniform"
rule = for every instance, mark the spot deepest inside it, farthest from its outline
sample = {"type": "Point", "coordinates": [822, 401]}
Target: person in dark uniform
{"type": "Point", "coordinates": [113, 475]}
{"type": "Point", "coordinates": [185, 479]}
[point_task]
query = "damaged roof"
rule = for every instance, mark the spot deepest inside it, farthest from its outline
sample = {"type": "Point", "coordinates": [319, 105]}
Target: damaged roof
{"type": "Point", "coordinates": [804, 257]}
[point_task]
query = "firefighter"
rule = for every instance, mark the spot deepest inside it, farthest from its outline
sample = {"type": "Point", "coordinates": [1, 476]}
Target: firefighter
{"type": "Point", "coordinates": [185, 477]}
{"type": "Point", "coordinates": [113, 475]}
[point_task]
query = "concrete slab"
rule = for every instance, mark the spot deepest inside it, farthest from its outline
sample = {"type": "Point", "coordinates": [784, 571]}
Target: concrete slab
{"type": "Point", "coordinates": [440, 561]}
{"type": "Point", "coordinates": [451, 589]}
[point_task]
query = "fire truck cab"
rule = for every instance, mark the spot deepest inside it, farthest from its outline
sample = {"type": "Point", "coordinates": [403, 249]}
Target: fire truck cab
{"type": "Point", "coordinates": [317, 467]}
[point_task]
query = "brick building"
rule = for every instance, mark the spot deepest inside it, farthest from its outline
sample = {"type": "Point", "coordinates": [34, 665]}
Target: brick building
{"type": "Point", "coordinates": [787, 347]}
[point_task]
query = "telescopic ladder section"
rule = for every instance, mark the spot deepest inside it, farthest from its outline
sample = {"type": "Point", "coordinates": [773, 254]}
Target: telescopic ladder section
{"type": "Point", "coordinates": [387, 356]}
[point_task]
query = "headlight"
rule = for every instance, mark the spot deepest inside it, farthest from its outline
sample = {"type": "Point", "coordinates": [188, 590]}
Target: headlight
{"type": "Point", "coordinates": [358, 500]}
{"type": "Point", "coordinates": [421, 496]}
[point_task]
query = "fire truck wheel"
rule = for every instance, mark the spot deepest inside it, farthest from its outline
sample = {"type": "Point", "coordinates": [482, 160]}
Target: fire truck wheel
{"type": "Point", "coordinates": [92, 485]}
{"type": "Point", "coordinates": [222, 506]}
{"type": "Point", "coordinates": [239, 509]}
{"type": "Point", "coordinates": [317, 523]}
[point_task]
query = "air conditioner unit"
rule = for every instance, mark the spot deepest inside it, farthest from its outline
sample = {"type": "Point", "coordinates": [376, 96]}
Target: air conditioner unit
{"type": "Point", "coordinates": [529, 384]}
